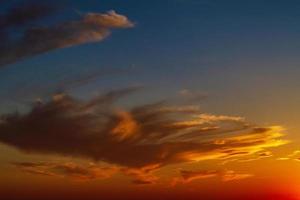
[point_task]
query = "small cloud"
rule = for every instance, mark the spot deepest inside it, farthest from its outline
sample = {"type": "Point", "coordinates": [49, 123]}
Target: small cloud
{"type": "Point", "coordinates": [290, 156]}
{"type": "Point", "coordinates": [264, 154]}
{"type": "Point", "coordinates": [142, 176]}
{"type": "Point", "coordinates": [283, 158]}
{"type": "Point", "coordinates": [295, 153]}
{"type": "Point", "coordinates": [233, 176]}
{"type": "Point", "coordinates": [227, 175]}
{"type": "Point", "coordinates": [193, 175]}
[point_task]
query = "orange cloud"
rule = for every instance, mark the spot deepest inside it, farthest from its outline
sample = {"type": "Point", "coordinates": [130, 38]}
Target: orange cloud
{"type": "Point", "coordinates": [147, 135]}
{"type": "Point", "coordinates": [142, 176]}
{"type": "Point", "coordinates": [126, 128]}
{"type": "Point", "coordinates": [72, 170]}
{"type": "Point", "coordinates": [232, 176]}
{"type": "Point", "coordinates": [193, 175]}
{"type": "Point", "coordinates": [225, 175]}
{"type": "Point", "coordinates": [291, 156]}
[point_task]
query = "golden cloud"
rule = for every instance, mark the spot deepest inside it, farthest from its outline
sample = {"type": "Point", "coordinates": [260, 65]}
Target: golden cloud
{"type": "Point", "coordinates": [135, 138]}
{"type": "Point", "coordinates": [225, 175]}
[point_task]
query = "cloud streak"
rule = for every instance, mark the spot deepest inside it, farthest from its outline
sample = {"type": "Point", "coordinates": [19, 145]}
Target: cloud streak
{"type": "Point", "coordinates": [187, 176]}
{"type": "Point", "coordinates": [34, 40]}
{"type": "Point", "coordinates": [70, 170]}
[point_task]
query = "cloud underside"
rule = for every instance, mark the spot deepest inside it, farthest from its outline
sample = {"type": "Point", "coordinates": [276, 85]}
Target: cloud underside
{"type": "Point", "coordinates": [37, 39]}
{"type": "Point", "coordinates": [139, 139]}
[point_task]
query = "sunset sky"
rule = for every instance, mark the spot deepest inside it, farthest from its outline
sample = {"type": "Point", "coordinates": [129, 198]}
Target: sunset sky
{"type": "Point", "coordinates": [161, 99]}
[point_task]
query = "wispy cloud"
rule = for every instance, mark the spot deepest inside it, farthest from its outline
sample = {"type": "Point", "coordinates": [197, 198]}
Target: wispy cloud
{"type": "Point", "coordinates": [187, 176]}
{"type": "Point", "coordinates": [142, 176]}
{"type": "Point", "coordinates": [70, 170]}
{"type": "Point", "coordinates": [233, 176]}
{"type": "Point", "coordinates": [34, 40]}
{"type": "Point", "coordinates": [292, 156]}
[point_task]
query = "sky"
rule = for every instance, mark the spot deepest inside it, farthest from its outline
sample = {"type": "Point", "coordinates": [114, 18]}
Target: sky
{"type": "Point", "coordinates": [162, 99]}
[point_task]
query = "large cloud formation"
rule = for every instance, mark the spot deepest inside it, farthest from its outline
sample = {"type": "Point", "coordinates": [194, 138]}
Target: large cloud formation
{"type": "Point", "coordinates": [142, 137]}
{"type": "Point", "coordinates": [37, 39]}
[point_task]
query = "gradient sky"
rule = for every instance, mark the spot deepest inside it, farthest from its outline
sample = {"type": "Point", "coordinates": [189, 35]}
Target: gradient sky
{"type": "Point", "coordinates": [157, 99]}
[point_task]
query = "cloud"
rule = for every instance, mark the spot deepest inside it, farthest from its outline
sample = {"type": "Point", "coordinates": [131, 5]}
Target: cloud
{"type": "Point", "coordinates": [257, 156]}
{"type": "Point", "coordinates": [89, 171]}
{"type": "Point", "coordinates": [25, 13]}
{"type": "Point", "coordinates": [290, 156]}
{"type": "Point", "coordinates": [34, 40]}
{"type": "Point", "coordinates": [135, 138]}
{"type": "Point", "coordinates": [233, 176]}
{"type": "Point", "coordinates": [193, 175]}
{"type": "Point", "coordinates": [70, 170]}
{"type": "Point", "coordinates": [142, 176]}
{"type": "Point", "coordinates": [225, 175]}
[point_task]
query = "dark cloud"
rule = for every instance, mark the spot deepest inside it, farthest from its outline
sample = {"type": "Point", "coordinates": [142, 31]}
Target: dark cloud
{"type": "Point", "coordinates": [34, 39]}
{"type": "Point", "coordinates": [26, 13]}
{"type": "Point", "coordinates": [137, 138]}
